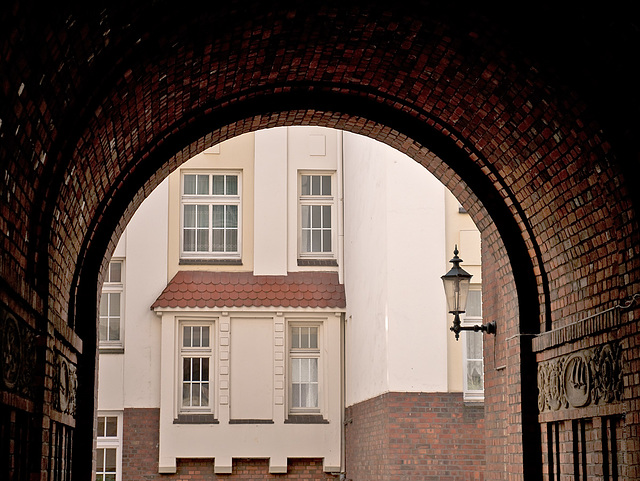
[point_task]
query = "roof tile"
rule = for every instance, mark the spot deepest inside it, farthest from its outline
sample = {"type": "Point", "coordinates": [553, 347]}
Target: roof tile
{"type": "Point", "coordinates": [242, 289]}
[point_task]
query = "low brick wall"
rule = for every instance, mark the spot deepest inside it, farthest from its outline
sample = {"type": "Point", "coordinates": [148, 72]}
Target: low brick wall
{"type": "Point", "coordinates": [407, 436]}
{"type": "Point", "coordinates": [140, 458]}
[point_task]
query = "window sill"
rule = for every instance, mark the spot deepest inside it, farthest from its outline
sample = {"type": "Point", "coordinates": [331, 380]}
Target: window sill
{"type": "Point", "coordinates": [196, 419]}
{"type": "Point", "coordinates": [210, 262]}
{"type": "Point", "coordinates": [110, 350]}
{"type": "Point", "coordinates": [318, 262]}
{"type": "Point", "coordinates": [306, 419]}
{"type": "Point", "coordinates": [250, 421]}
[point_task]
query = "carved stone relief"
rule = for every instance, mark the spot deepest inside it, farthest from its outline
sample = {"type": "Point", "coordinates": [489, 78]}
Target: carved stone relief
{"type": "Point", "coordinates": [18, 356]}
{"type": "Point", "coordinates": [583, 378]}
{"type": "Point", "coordinates": [65, 385]}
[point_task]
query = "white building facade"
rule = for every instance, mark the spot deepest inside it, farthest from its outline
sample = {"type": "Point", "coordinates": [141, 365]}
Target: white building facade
{"type": "Point", "coordinates": [265, 294]}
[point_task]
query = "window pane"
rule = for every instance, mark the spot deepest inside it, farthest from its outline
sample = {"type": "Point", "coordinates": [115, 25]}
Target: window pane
{"type": "Point", "coordinates": [304, 370]}
{"type": "Point", "coordinates": [112, 426]}
{"type": "Point", "coordinates": [312, 400]}
{"type": "Point", "coordinates": [189, 240]}
{"type": "Point", "coordinates": [104, 305]}
{"type": "Point", "coordinates": [186, 369]}
{"type": "Point", "coordinates": [474, 303]}
{"type": "Point", "coordinates": [232, 185]}
{"type": "Point", "coordinates": [326, 185]}
{"type": "Point", "coordinates": [186, 336]}
{"type": "Point", "coordinates": [203, 216]}
{"type": "Point", "coordinates": [313, 370]}
{"type": "Point", "coordinates": [103, 328]}
{"type": "Point", "coordinates": [474, 375]}
{"type": "Point", "coordinates": [305, 214]}
{"type": "Point", "coordinates": [205, 369]}
{"type": "Point", "coordinates": [218, 185]}
{"type": "Point", "coordinates": [100, 459]}
{"type": "Point", "coordinates": [306, 241]}
{"type": "Point", "coordinates": [205, 394]}
{"type": "Point", "coordinates": [186, 391]}
{"type": "Point", "coordinates": [189, 184]}
{"type": "Point", "coordinates": [232, 216]}
{"type": "Point", "coordinates": [195, 394]}
{"type": "Point", "coordinates": [203, 185]}
{"type": "Point", "coordinates": [305, 185]}
{"type": "Point", "coordinates": [109, 477]}
{"type": "Point", "coordinates": [99, 477]}
{"type": "Point", "coordinates": [189, 215]}
{"type": "Point", "coordinates": [295, 395]}
{"type": "Point", "coordinates": [304, 337]}
{"type": "Point", "coordinates": [101, 424]}
{"type": "Point", "coordinates": [114, 329]}
{"type": "Point", "coordinates": [115, 271]}
{"type": "Point", "coordinates": [203, 240]}
{"type": "Point", "coordinates": [315, 241]}
{"type": "Point", "coordinates": [218, 216]}
{"type": "Point", "coordinates": [205, 336]}
{"type": "Point", "coordinates": [304, 394]}
{"type": "Point", "coordinates": [232, 240]}
{"type": "Point", "coordinates": [197, 331]}
{"type": "Point", "coordinates": [474, 345]}
{"type": "Point", "coordinates": [114, 304]}
{"type": "Point", "coordinates": [110, 462]}
{"type": "Point", "coordinates": [316, 216]}
{"type": "Point", "coordinates": [295, 337]}
{"type": "Point", "coordinates": [326, 216]}
{"type": "Point", "coordinates": [315, 185]}
{"type": "Point", "coordinates": [295, 370]}
{"type": "Point", "coordinates": [218, 240]}
{"type": "Point", "coordinates": [326, 241]}
{"type": "Point", "coordinates": [313, 337]}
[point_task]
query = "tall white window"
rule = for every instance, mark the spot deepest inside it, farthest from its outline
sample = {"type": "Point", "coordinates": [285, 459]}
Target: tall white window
{"type": "Point", "coordinates": [112, 306]}
{"type": "Point", "coordinates": [317, 225]}
{"type": "Point", "coordinates": [473, 363]}
{"type": "Point", "coordinates": [196, 358]}
{"type": "Point", "coordinates": [109, 447]}
{"type": "Point", "coordinates": [304, 369]}
{"type": "Point", "coordinates": [211, 215]}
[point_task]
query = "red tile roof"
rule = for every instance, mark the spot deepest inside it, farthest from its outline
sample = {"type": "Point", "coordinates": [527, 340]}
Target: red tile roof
{"type": "Point", "coordinates": [243, 289]}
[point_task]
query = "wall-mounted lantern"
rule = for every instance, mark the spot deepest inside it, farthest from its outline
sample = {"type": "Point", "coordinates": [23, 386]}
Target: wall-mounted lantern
{"type": "Point", "coordinates": [456, 288]}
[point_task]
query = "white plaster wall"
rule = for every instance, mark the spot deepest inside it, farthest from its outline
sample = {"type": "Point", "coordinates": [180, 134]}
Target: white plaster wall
{"type": "Point", "coordinates": [270, 201]}
{"type": "Point", "coordinates": [251, 368]}
{"type": "Point", "coordinates": [132, 379]}
{"type": "Point", "coordinates": [417, 305]}
{"type": "Point", "coordinates": [365, 266]}
{"type": "Point", "coordinates": [394, 248]}
{"type": "Point", "coordinates": [146, 270]}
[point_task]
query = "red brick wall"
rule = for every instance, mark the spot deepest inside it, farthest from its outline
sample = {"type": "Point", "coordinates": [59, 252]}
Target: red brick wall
{"type": "Point", "coordinates": [140, 458]}
{"type": "Point", "coordinates": [406, 436]}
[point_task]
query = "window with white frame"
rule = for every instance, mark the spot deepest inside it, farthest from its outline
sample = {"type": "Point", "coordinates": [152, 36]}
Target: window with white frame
{"type": "Point", "coordinates": [211, 211]}
{"type": "Point", "coordinates": [109, 447]}
{"type": "Point", "coordinates": [317, 226]}
{"type": "Point", "coordinates": [112, 306]}
{"type": "Point", "coordinates": [196, 367]}
{"type": "Point", "coordinates": [473, 364]}
{"type": "Point", "coordinates": [304, 369]}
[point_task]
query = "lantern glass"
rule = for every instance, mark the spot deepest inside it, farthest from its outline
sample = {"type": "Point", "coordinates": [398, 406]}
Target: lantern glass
{"type": "Point", "coordinates": [456, 289]}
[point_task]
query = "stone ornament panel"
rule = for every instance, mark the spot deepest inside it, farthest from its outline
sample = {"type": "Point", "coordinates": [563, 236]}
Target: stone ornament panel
{"type": "Point", "coordinates": [18, 356]}
{"type": "Point", "coordinates": [583, 378]}
{"type": "Point", "coordinates": [65, 385]}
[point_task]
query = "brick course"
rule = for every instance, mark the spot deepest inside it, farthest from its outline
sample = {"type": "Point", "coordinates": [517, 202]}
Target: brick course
{"type": "Point", "coordinates": [415, 436]}
{"type": "Point", "coordinates": [140, 458]}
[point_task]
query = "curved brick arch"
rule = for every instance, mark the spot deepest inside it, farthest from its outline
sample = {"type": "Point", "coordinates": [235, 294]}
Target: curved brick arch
{"type": "Point", "coordinates": [98, 103]}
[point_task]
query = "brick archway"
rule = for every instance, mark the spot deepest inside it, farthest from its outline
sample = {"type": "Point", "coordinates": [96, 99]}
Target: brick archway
{"type": "Point", "coordinates": [99, 105]}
